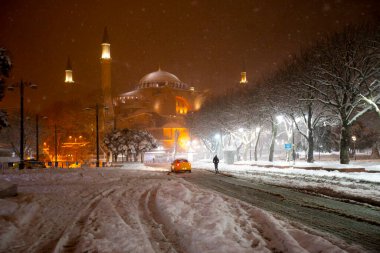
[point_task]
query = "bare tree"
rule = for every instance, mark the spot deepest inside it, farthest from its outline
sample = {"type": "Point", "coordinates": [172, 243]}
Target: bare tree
{"type": "Point", "coordinates": [5, 68]}
{"type": "Point", "coordinates": [304, 112]}
{"type": "Point", "coordinates": [11, 135]}
{"type": "Point", "coordinates": [346, 69]}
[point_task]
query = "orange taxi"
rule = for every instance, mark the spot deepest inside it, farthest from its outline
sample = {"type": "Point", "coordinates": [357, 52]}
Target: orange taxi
{"type": "Point", "coordinates": [181, 165]}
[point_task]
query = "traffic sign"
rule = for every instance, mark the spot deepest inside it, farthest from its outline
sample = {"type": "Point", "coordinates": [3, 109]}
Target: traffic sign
{"type": "Point", "coordinates": [288, 146]}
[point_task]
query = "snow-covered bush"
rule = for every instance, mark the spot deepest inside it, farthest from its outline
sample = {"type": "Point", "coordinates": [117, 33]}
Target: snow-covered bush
{"type": "Point", "coordinates": [131, 143]}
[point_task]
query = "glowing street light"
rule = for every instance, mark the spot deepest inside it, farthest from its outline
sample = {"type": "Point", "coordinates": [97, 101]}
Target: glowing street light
{"type": "Point", "coordinates": [69, 73]}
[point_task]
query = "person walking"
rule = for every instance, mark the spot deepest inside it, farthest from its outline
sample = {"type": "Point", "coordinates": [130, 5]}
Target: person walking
{"type": "Point", "coordinates": [216, 161]}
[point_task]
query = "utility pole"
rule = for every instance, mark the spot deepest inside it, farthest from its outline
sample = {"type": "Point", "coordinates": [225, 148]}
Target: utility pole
{"type": "Point", "coordinates": [37, 149]}
{"type": "Point", "coordinates": [21, 166]}
{"type": "Point", "coordinates": [21, 85]}
{"type": "Point", "coordinates": [55, 146]}
{"type": "Point", "coordinates": [97, 135]}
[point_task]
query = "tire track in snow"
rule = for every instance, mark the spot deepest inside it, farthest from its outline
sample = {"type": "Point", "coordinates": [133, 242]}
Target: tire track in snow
{"type": "Point", "coordinates": [26, 214]}
{"type": "Point", "coordinates": [161, 238]}
{"type": "Point", "coordinates": [72, 234]}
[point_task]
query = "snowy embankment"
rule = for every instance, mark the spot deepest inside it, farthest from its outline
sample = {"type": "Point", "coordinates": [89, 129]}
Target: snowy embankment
{"type": "Point", "coordinates": [358, 186]}
{"type": "Point", "coordinates": [140, 209]}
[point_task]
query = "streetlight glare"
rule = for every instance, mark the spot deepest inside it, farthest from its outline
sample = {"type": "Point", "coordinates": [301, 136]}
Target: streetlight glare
{"type": "Point", "coordinates": [217, 136]}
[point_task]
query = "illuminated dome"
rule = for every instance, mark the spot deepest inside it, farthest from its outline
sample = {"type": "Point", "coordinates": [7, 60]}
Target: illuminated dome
{"type": "Point", "coordinates": [159, 79]}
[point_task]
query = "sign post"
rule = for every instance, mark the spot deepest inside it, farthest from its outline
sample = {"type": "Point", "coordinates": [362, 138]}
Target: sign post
{"type": "Point", "coordinates": [288, 148]}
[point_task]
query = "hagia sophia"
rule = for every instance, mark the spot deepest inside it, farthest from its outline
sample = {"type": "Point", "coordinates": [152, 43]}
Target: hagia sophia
{"type": "Point", "coordinates": [159, 103]}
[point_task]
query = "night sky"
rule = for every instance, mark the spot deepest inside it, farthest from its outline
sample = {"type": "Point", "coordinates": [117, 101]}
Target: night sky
{"type": "Point", "coordinates": [204, 43]}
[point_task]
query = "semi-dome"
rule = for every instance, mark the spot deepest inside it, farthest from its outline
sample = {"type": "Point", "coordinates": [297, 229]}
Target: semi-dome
{"type": "Point", "coordinates": [161, 78]}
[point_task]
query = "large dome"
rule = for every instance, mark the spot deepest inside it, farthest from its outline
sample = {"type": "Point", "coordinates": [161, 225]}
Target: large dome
{"type": "Point", "coordinates": [161, 78]}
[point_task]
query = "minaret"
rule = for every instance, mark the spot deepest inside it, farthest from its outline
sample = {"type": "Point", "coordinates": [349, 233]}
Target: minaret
{"type": "Point", "coordinates": [69, 72]}
{"type": "Point", "coordinates": [105, 61]}
{"type": "Point", "coordinates": [243, 76]}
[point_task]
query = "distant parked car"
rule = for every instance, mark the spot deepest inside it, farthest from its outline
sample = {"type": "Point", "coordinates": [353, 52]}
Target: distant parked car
{"type": "Point", "coordinates": [75, 165]}
{"type": "Point", "coordinates": [181, 165]}
{"type": "Point", "coordinates": [30, 164]}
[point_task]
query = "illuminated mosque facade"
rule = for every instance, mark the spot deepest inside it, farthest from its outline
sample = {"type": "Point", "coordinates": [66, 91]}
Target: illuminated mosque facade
{"type": "Point", "coordinates": [159, 103]}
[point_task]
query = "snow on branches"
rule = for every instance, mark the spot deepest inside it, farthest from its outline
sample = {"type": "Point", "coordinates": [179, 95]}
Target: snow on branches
{"type": "Point", "coordinates": [131, 143]}
{"type": "Point", "coordinates": [5, 68]}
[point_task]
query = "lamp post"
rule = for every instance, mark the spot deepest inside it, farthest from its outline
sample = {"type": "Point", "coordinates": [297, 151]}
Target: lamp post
{"type": "Point", "coordinates": [97, 135]}
{"type": "Point", "coordinates": [37, 150]}
{"type": "Point", "coordinates": [21, 85]}
{"type": "Point", "coordinates": [97, 130]}
{"type": "Point", "coordinates": [55, 146]}
{"type": "Point", "coordinates": [354, 140]}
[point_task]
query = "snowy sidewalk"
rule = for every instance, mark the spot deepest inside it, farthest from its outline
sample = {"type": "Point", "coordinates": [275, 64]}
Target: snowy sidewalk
{"type": "Point", "coordinates": [371, 166]}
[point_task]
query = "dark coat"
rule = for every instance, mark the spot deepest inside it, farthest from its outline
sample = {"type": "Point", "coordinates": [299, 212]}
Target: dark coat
{"type": "Point", "coordinates": [215, 160]}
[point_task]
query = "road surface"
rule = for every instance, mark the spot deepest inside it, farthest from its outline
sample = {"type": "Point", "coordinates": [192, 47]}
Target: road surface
{"type": "Point", "coordinates": [354, 222]}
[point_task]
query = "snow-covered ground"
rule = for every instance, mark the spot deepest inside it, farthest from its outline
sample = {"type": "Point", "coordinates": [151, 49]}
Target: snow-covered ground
{"type": "Point", "coordinates": [143, 209]}
{"type": "Point", "coordinates": [361, 186]}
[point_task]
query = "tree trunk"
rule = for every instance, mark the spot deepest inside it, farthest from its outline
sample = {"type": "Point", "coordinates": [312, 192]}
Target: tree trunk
{"type": "Point", "coordinates": [238, 152]}
{"type": "Point", "coordinates": [273, 141]}
{"type": "Point", "coordinates": [344, 143]}
{"type": "Point", "coordinates": [246, 151]}
{"type": "Point", "coordinates": [375, 152]}
{"type": "Point", "coordinates": [310, 137]}
{"type": "Point", "coordinates": [256, 144]}
{"type": "Point", "coordinates": [142, 157]}
{"type": "Point", "coordinates": [310, 147]}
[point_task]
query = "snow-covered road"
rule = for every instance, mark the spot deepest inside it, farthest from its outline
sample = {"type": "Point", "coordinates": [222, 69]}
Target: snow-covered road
{"type": "Point", "coordinates": [140, 209]}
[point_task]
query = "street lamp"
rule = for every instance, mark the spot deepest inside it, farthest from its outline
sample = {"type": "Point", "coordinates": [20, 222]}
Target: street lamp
{"type": "Point", "coordinates": [22, 85]}
{"type": "Point", "coordinates": [354, 140]}
{"type": "Point", "coordinates": [97, 130]}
